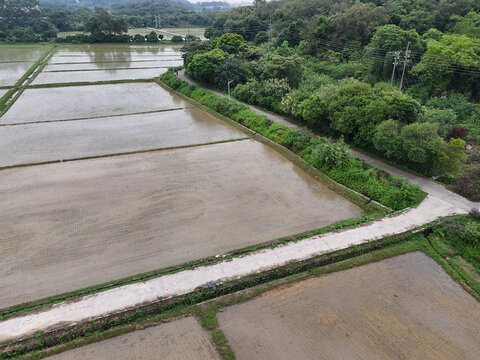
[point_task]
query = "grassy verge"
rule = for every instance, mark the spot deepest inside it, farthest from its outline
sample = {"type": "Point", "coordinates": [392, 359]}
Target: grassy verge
{"type": "Point", "coordinates": [335, 162]}
{"type": "Point", "coordinates": [45, 302]}
{"type": "Point", "coordinates": [47, 344]}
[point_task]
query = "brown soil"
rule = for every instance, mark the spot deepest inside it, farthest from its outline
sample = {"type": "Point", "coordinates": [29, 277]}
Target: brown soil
{"type": "Point", "coordinates": [406, 307]}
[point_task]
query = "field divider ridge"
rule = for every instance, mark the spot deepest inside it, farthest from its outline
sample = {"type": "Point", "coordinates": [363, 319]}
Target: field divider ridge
{"type": "Point", "coordinates": [126, 153]}
{"type": "Point", "coordinates": [98, 117]}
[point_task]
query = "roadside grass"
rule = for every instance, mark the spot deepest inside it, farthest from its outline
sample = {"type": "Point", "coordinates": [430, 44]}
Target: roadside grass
{"type": "Point", "coordinates": [207, 311]}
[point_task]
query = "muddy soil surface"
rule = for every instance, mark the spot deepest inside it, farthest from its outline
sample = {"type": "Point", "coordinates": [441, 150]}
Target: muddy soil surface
{"type": "Point", "coordinates": [74, 102]}
{"type": "Point", "coordinates": [183, 339]}
{"type": "Point", "coordinates": [110, 218]}
{"type": "Point", "coordinates": [406, 307]}
{"type": "Point", "coordinates": [36, 143]}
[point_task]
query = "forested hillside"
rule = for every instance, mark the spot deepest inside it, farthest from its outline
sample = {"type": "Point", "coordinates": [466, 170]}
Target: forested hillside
{"type": "Point", "coordinates": [343, 68]}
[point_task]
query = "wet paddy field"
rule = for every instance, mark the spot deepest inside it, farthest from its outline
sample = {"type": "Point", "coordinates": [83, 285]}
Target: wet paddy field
{"type": "Point", "coordinates": [15, 60]}
{"type": "Point", "coordinates": [199, 187]}
{"type": "Point", "coordinates": [113, 217]}
{"type": "Point", "coordinates": [10, 73]}
{"type": "Point", "coordinates": [405, 307]}
{"type": "Point", "coordinates": [52, 141]}
{"type": "Point", "coordinates": [108, 63]}
{"type": "Point", "coordinates": [81, 102]}
{"type": "Point", "coordinates": [178, 340]}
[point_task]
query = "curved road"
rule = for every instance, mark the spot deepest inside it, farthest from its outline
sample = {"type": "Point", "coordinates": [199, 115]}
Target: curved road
{"type": "Point", "coordinates": [430, 187]}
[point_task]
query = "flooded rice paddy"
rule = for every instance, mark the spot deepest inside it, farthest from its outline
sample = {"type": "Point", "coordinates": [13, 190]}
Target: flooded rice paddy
{"type": "Point", "coordinates": [183, 339]}
{"type": "Point", "coordinates": [405, 307]}
{"type": "Point", "coordinates": [79, 102]}
{"type": "Point", "coordinates": [10, 73]}
{"type": "Point", "coordinates": [36, 143]}
{"type": "Point", "coordinates": [111, 65]}
{"type": "Point", "coordinates": [21, 53]}
{"type": "Point", "coordinates": [111, 217]}
{"type": "Point", "coordinates": [108, 63]}
{"type": "Point", "coordinates": [97, 75]}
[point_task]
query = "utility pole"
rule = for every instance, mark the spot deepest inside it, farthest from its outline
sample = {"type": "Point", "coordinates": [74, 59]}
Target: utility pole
{"type": "Point", "coordinates": [396, 57]}
{"type": "Point", "coordinates": [405, 61]}
{"type": "Point", "coordinates": [269, 35]}
{"type": "Point", "coordinates": [228, 85]}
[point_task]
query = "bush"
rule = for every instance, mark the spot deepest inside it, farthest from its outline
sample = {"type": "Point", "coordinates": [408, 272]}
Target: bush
{"type": "Point", "coordinates": [329, 155]}
{"type": "Point", "coordinates": [177, 38]}
{"type": "Point", "coordinates": [277, 133]}
{"type": "Point", "coordinates": [456, 133]}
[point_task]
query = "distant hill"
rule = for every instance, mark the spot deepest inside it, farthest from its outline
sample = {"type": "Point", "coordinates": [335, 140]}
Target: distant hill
{"type": "Point", "coordinates": [169, 5]}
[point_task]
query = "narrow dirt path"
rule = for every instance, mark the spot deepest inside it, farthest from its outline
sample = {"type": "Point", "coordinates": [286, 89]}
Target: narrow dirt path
{"type": "Point", "coordinates": [430, 187]}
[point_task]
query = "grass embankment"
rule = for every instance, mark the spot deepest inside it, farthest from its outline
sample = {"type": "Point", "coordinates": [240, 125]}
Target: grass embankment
{"type": "Point", "coordinates": [426, 241]}
{"type": "Point", "coordinates": [334, 160]}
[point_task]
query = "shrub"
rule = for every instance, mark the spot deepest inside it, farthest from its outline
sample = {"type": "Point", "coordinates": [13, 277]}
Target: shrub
{"type": "Point", "coordinates": [177, 38]}
{"type": "Point", "coordinates": [456, 133]}
{"type": "Point", "coordinates": [277, 133]}
{"type": "Point", "coordinates": [328, 155]}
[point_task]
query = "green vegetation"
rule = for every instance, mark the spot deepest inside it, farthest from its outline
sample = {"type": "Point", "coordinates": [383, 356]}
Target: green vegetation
{"type": "Point", "coordinates": [26, 22]}
{"type": "Point", "coordinates": [462, 234]}
{"type": "Point", "coordinates": [330, 157]}
{"type": "Point", "coordinates": [329, 65]}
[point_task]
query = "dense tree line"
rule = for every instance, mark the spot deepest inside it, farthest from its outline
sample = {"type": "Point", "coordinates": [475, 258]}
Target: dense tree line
{"type": "Point", "coordinates": [329, 64]}
{"type": "Point", "coordinates": [26, 21]}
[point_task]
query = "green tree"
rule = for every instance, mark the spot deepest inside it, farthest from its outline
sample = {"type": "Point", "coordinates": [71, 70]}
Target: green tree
{"type": "Point", "coordinates": [177, 38]}
{"type": "Point", "coordinates": [230, 43]}
{"type": "Point", "coordinates": [233, 68]}
{"type": "Point", "coordinates": [446, 64]}
{"type": "Point", "coordinates": [381, 49]}
{"type": "Point", "coordinates": [357, 22]}
{"type": "Point", "coordinates": [421, 144]}
{"type": "Point", "coordinates": [138, 38]}
{"type": "Point", "coordinates": [19, 13]}
{"type": "Point", "coordinates": [451, 158]}
{"type": "Point", "coordinates": [203, 65]}
{"type": "Point", "coordinates": [387, 140]}
{"type": "Point", "coordinates": [284, 67]}
{"type": "Point", "coordinates": [468, 25]}
{"type": "Point", "coordinates": [103, 22]}
{"type": "Point", "coordinates": [152, 37]}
